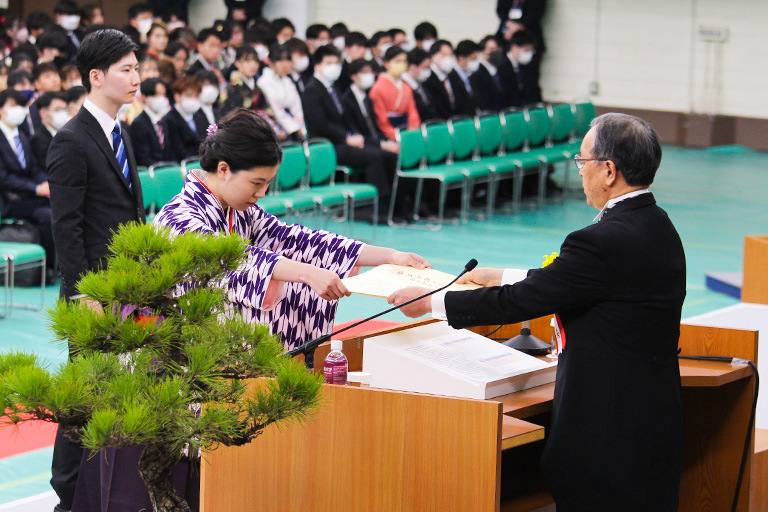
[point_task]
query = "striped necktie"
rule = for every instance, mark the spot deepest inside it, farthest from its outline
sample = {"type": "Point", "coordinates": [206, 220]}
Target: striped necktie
{"type": "Point", "coordinates": [160, 134]}
{"type": "Point", "coordinates": [20, 152]}
{"type": "Point", "coordinates": [119, 147]}
{"type": "Point", "coordinates": [335, 98]}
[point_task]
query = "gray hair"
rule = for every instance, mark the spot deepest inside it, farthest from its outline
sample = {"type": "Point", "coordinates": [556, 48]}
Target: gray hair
{"type": "Point", "coordinates": [632, 145]}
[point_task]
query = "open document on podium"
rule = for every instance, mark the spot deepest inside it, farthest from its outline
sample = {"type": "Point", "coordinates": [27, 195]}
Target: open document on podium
{"type": "Point", "coordinates": [384, 280]}
{"type": "Point", "coordinates": [437, 359]}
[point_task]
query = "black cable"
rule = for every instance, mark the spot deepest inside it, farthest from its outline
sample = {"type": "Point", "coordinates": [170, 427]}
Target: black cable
{"type": "Point", "coordinates": [493, 331]}
{"type": "Point", "coordinates": [747, 441]}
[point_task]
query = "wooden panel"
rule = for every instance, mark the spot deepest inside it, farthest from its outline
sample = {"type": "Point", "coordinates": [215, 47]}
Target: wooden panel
{"type": "Point", "coordinates": [759, 494]}
{"type": "Point", "coordinates": [755, 287]}
{"type": "Point", "coordinates": [698, 340]}
{"type": "Point", "coordinates": [366, 449]}
{"type": "Point", "coordinates": [515, 432]}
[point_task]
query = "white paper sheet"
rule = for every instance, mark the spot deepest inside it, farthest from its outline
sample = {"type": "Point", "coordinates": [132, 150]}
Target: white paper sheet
{"type": "Point", "coordinates": [383, 280]}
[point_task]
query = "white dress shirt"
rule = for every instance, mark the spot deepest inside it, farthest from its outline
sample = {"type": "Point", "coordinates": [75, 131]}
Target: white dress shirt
{"type": "Point", "coordinates": [10, 132]}
{"type": "Point", "coordinates": [612, 202]}
{"type": "Point", "coordinates": [107, 123]}
{"type": "Point", "coordinates": [283, 98]}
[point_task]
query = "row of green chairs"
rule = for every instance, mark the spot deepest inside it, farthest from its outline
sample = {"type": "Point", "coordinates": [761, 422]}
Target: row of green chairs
{"type": "Point", "coordinates": [464, 152]}
{"type": "Point", "coordinates": [17, 256]}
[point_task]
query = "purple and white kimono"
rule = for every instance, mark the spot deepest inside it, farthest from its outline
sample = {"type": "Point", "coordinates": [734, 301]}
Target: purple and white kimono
{"type": "Point", "coordinates": [293, 311]}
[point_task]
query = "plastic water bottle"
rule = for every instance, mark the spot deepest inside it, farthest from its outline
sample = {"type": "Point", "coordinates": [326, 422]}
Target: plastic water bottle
{"type": "Point", "coordinates": [335, 368]}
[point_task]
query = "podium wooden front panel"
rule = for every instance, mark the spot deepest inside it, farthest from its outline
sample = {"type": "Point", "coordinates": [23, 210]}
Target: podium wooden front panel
{"type": "Point", "coordinates": [365, 450]}
{"type": "Point", "coordinates": [755, 287]}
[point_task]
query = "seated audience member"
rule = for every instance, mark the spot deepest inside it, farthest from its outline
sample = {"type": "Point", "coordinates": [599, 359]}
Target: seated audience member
{"type": "Point", "coordinates": [488, 45]}
{"type": "Point", "coordinates": [209, 45]}
{"type": "Point", "coordinates": [21, 80]}
{"type": "Point", "coordinates": [70, 77]}
{"type": "Point", "coordinates": [487, 83]}
{"type": "Point", "coordinates": [23, 183]}
{"type": "Point", "coordinates": [140, 18]}
{"type": "Point", "coordinates": [178, 54]}
{"type": "Point", "coordinates": [210, 110]}
{"type": "Point", "coordinates": [21, 59]}
{"type": "Point", "coordinates": [14, 32]}
{"type": "Point", "coordinates": [166, 70]}
{"type": "Point", "coordinates": [392, 98]}
{"type": "Point", "coordinates": [379, 43]}
{"type": "Point", "coordinates": [157, 41]}
{"type": "Point", "coordinates": [467, 62]}
{"type": "Point", "coordinates": [67, 15]}
{"type": "Point", "coordinates": [45, 78]}
{"type": "Point", "coordinates": [75, 98]}
{"type": "Point", "coordinates": [242, 81]}
{"type": "Point", "coordinates": [518, 79]}
{"type": "Point", "coordinates": [148, 69]}
{"type": "Point", "coordinates": [281, 93]}
{"type": "Point", "coordinates": [53, 115]}
{"type": "Point", "coordinates": [440, 85]}
{"type": "Point", "coordinates": [399, 38]}
{"type": "Point", "coordinates": [317, 35]}
{"type": "Point", "coordinates": [259, 39]}
{"type": "Point", "coordinates": [91, 14]}
{"type": "Point", "coordinates": [148, 130]}
{"type": "Point", "coordinates": [425, 35]}
{"type": "Point", "coordinates": [325, 117]}
{"type": "Point", "coordinates": [418, 72]}
{"type": "Point", "coordinates": [339, 32]}
{"type": "Point", "coordinates": [37, 21]}
{"type": "Point", "coordinates": [53, 46]}
{"type": "Point", "coordinates": [302, 70]}
{"type": "Point", "coordinates": [355, 45]}
{"type": "Point", "coordinates": [283, 29]}
{"type": "Point", "coordinates": [183, 134]}
{"type": "Point", "coordinates": [235, 30]}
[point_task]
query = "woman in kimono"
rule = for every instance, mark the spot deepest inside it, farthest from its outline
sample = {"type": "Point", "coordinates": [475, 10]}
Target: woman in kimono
{"type": "Point", "coordinates": [291, 280]}
{"type": "Point", "coordinates": [392, 97]}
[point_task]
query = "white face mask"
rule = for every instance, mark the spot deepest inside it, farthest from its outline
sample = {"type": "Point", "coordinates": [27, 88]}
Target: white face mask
{"type": "Point", "coordinates": [473, 66]}
{"type": "Point", "coordinates": [173, 25]}
{"type": "Point", "coordinates": [144, 26]}
{"type": "Point", "coordinates": [59, 119]}
{"type": "Point", "coordinates": [424, 75]}
{"type": "Point", "coordinates": [300, 64]}
{"type": "Point", "coordinates": [261, 51]}
{"type": "Point", "coordinates": [525, 57]}
{"type": "Point", "coordinates": [383, 49]}
{"type": "Point", "coordinates": [405, 46]}
{"type": "Point", "coordinates": [69, 21]}
{"type": "Point", "coordinates": [158, 104]}
{"type": "Point", "coordinates": [209, 94]}
{"type": "Point", "coordinates": [15, 115]}
{"type": "Point", "coordinates": [331, 72]}
{"type": "Point", "coordinates": [22, 35]}
{"type": "Point", "coordinates": [190, 105]}
{"type": "Point", "coordinates": [366, 81]}
{"type": "Point", "coordinates": [447, 64]}
{"type": "Point", "coordinates": [338, 42]}
{"type": "Point", "coordinates": [427, 44]}
{"type": "Point", "coordinates": [76, 83]}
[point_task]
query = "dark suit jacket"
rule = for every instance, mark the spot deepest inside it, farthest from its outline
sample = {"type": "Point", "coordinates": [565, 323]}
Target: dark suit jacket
{"type": "Point", "coordinates": [355, 119]}
{"type": "Point", "coordinates": [344, 81]}
{"type": "Point", "coordinates": [17, 182]}
{"type": "Point", "coordinates": [180, 141]}
{"type": "Point", "coordinates": [442, 108]}
{"type": "Point", "coordinates": [40, 142]}
{"type": "Point", "coordinates": [195, 68]}
{"type": "Point", "coordinates": [146, 144]}
{"type": "Point", "coordinates": [488, 94]}
{"type": "Point", "coordinates": [464, 101]}
{"type": "Point", "coordinates": [615, 441]}
{"type": "Point", "coordinates": [533, 12]}
{"type": "Point", "coordinates": [321, 116]}
{"type": "Point", "coordinates": [520, 87]}
{"type": "Point", "coordinates": [90, 197]}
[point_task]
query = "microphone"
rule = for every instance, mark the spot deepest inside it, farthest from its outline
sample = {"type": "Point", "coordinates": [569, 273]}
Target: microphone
{"type": "Point", "coordinates": [309, 347]}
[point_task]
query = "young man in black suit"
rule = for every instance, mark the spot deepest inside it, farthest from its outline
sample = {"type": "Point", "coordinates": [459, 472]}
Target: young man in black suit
{"type": "Point", "coordinates": [209, 45]}
{"type": "Point", "coordinates": [417, 73]}
{"type": "Point", "coordinates": [324, 117]}
{"type": "Point", "coordinates": [438, 85]}
{"type": "Point", "coordinates": [95, 188]}
{"type": "Point", "coordinates": [616, 437]}
{"type": "Point", "coordinates": [487, 84]}
{"type": "Point", "coordinates": [467, 62]}
{"type": "Point", "coordinates": [519, 84]}
{"type": "Point", "coordinates": [24, 187]}
{"type": "Point", "coordinates": [148, 129]}
{"type": "Point", "coordinates": [185, 130]}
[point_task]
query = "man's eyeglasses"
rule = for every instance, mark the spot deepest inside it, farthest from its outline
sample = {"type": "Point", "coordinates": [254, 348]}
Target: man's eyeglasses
{"type": "Point", "coordinates": [580, 161]}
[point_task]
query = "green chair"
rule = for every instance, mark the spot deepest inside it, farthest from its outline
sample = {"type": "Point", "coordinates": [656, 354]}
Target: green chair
{"type": "Point", "coordinates": [491, 150]}
{"type": "Point", "coordinates": [540, 143]}
{"type": "Point", "coordinates": [583, 114]}
{"type": "Point", "coordinates": [515, 150]}
{"type": "Point", "coordinates": [16, 256]}
{"type": "Point", "coordinates": [409, 161]}
{"type": "Point", "coordinates": [189, 164]}
{"type": "Point", "coordinates": [290, 184]}
{"type": "Point", "coordinates": [563, 128]}
{"type": "Point", "coordinates": [166, 182]}
{"type": "Point", "coordinates": [465, 153]}
{"type": "Point", "coordinates": [321, 156]}
{"type": "Point", "coordinates": [147, 192]}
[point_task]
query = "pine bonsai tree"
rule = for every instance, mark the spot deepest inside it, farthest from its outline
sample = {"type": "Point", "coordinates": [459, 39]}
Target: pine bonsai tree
{"type": "Point", "coordinates": [161, 346]}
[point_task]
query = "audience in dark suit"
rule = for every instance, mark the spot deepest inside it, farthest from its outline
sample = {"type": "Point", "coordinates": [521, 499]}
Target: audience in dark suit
{"type": "Point", "coordinates": [418, 72]}
{"type": "Point", "coordinates": [54, 115]}
{"type": "Point", "coordinates": [303, 67]}
{"type": "Point", "coordinates": [485, 81]}
{"type": "Point", "coordinates": [441, 85]}
{"type": "Point", "coordinates": [209, 46]}
{"type": "Point", "coordinates": [184, 131]}
{"type": "Point", "coordinates": [66, 14]}
{"type": "Point", "coordinates": [148, 131]}
{"type": "Point", "coordinates": [467, 62]}
{"type": "Point", "coordinates": [518, 80]}
{"type": "Point", "coordinates": [210, 109]}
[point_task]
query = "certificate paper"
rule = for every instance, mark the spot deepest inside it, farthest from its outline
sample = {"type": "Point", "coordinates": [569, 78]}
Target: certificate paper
{"type": "Point", "coordinates": [384, 280]}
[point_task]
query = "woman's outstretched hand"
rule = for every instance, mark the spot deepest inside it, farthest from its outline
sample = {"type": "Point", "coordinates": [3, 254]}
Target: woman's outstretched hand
{"type": "Point", "coordinates": [327, 284]}
{"type": "Point", "coordinates": [409, 259]}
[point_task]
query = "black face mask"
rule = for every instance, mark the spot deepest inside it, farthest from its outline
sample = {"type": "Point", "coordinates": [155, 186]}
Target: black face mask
{"type": "Point", "coordinates": [494, 59]}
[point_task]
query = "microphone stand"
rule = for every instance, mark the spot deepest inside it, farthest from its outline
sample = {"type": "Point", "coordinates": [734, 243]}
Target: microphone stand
{"type": "Point", "coordinates": [308, 348]}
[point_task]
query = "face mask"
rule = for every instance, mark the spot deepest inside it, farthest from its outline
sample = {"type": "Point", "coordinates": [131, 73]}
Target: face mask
{"type": "Point", "coordinates": [366, 81]}
{"type": "Point", "coordinates": [190, 105]}
{"type": "Point", "coordinates": [144, 26]}
{"type": "Point", "coordinates": [261, 51]}
{"type": "Point", "coordinates": [338, 42]}
{"type": "Point", "coordinates": [397, 69]}
{"type": "Point", "coordinates": [424, 75]}
{"type": "Point", "coordinates": [321, 42]}
{"type": "Point", "coordinates": [22, 35]}
{"type": "Point", "coordinates": [209, 94]}
{"type": "Point", "coordinates": [69, 21]}
{"type": "Point", "coordinates": [525, 57]}
{"type": "Point", "coordinates": [29, 94]}
{"type": "Point", "coordinates": [59, 119]}
{"type": "Point", "coordinates": [383, 48]}
{"type": "Point", "coordinates": [473, 66]}
{"type": "Point", "coordinates": [15, 115]}
{"type": "Point", "coordinates": [76, 83]}
{"type": "Point", "coordinates": [405, 46]}
{"type": "Point", "coordinates": [427, 44]}
{"type": "Point", "coordinates": [300, 64]}
{"type": "Point", "coordinates": [331, 72]}
{"type": "Point", "coordinates": [157, 104]}
{"type": "Point", "coordinates": [447, 64]}
{"type": "Point", "coordinates": [173, 25]}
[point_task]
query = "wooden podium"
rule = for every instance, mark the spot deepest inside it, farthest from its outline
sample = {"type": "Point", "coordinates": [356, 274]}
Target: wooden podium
{"type": "Point", "coordinates": [755, 287]}
{"type": "Point", "coordinates": [377, 450]}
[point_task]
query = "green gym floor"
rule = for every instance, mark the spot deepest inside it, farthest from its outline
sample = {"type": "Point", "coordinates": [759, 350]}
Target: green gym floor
{"type": "Point", "coordinates": [714, 197]}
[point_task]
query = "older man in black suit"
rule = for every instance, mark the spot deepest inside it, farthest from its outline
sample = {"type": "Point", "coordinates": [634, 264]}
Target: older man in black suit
{"type": "Point", "coordinates": [95, 188]}
{"type": "Point", "coordinates": [615, 441]}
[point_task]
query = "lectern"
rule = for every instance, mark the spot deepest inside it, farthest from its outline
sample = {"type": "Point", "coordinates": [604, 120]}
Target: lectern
{"type": "Point", "coordinates": [376, 450]}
